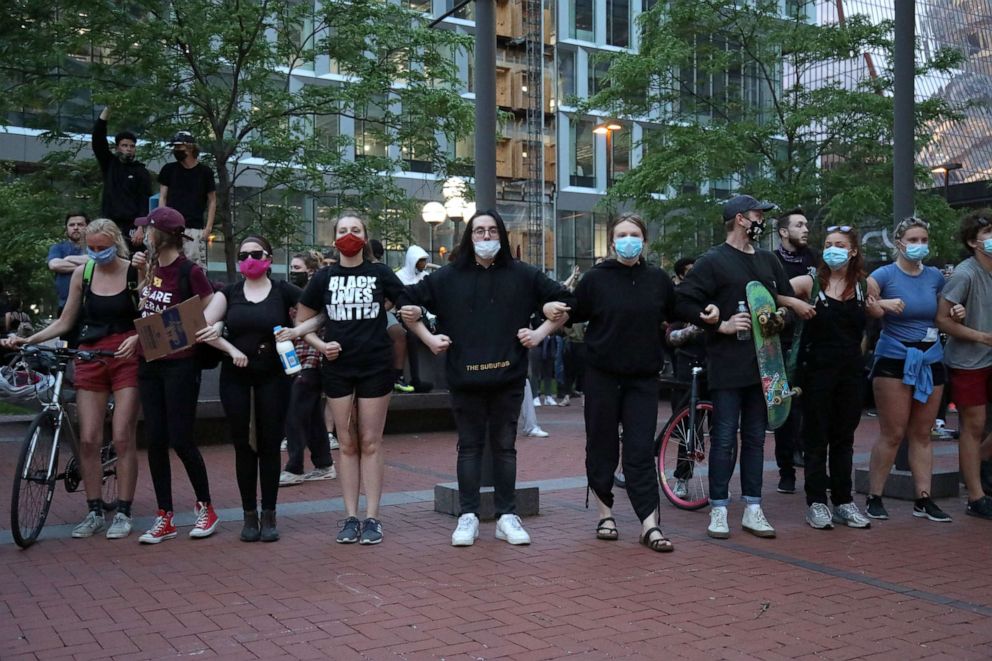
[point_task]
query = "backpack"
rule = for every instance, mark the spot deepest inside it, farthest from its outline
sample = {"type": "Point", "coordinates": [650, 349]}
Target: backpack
{"type": "Point", "coordinates": [206, 356]}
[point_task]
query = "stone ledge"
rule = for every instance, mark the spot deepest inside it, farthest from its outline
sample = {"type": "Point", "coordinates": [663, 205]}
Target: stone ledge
{"type": "Point", "coordinates": [944, 484]}
{"type": "Point", "coordinates": [446, 501]}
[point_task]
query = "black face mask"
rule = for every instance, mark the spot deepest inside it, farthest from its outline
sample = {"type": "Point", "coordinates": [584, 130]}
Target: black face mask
{"type": "Point", "coordinates": [179, 154]}
{"type": "Point", "coordinates": [755, 230]}
{"type": "Point", "coordinates": [299, 278]}
{"type": "Point", "coordinates": [125, 158]}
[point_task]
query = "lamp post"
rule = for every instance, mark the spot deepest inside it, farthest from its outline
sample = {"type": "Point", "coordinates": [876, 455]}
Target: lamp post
{"type": "Point", "coordinates": [607, 128]}
{"type": "Point", "coordinates": [433, 214]}
{"type": "Point", "coordinates": [946, 169]}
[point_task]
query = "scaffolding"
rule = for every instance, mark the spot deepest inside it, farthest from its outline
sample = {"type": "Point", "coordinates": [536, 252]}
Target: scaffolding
{"type": "Point", "coordinates": [533, 16]}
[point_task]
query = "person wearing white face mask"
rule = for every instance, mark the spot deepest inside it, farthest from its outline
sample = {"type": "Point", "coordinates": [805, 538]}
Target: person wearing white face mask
{"type": "Point", "coordinates": [908, 375]}
{"type": "Point", "coordinates": [483, 302]}
{"type": "Point", "coordinates": [965, 314]}
{"type": "Point", "coordinates": [832, 377]}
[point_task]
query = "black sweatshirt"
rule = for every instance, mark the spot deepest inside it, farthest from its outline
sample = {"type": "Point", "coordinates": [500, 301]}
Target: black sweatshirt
{"type": "Point", "coordinates": [720, 277]}
{"type": "Point", "coordinates": [481, 310]}
{"type": "Point", "coordinates": [126, 186]}
{"type": "Point", "coordinates": [625, 307]}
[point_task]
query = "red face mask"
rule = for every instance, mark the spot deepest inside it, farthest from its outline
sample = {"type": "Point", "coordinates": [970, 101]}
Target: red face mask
{"type": "Point", "coordinates": [350, 244]}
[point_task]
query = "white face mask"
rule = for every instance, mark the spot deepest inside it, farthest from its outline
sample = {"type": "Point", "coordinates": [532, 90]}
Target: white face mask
{"type": "Point", "coordinates": [486, 249]}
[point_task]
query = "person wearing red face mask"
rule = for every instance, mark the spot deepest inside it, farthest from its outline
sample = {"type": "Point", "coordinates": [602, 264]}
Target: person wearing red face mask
{"type": "Point", "coordinates": [358, 358]}
{"type": "Point", "coordinates": [252, 382]}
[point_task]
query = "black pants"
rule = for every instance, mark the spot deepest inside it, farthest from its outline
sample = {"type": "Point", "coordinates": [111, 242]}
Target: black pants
{"type": "Point", "coordinates": [542, 368]}
{"type": "Point", "coordinates": [168, 390]}
{"type": "Point", "coordinates": [259, 466]}
{"type": "Point", "coordinates": [305, 426]}
{"type": "Point", "coordinates": [480, 415]}
{"type": "Point", "coordinates": [612, 400]}
{"type": "Point", "coordinates": [413, 345]}
{"type": "Point", "coordinates": [788, 440]}
{"type": "Point", "coordinates": [832, 399]}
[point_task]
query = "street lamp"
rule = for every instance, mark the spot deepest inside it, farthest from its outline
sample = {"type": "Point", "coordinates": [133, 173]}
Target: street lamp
{"type": "Point", "coordinates": [433, 214]}
{"type": "Point", "coordinates": [946, 169]}
{"type": "Point", "coordinates": [607, 128]}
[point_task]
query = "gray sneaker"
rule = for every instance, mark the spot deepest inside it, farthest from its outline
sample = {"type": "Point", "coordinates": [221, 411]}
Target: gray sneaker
{"type": "Point", "coordinates": [120, 527]}
{"type": "Point", "coordinates": [818, 516]}
{"type": "Point", "coordinates": [91, 525]}
{"type": "Point", "coordinates": [328, 473]}
{"type": "Point", "coordinates": [849, 515]}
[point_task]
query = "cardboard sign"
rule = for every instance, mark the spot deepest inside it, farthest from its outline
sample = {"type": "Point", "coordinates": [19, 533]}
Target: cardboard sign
{"type": "Point", "coordinates": [174, 329]}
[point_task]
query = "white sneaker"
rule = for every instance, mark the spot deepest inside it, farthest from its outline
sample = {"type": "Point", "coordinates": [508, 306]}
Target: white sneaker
{"type": "Point", "coordinates": [537, 432]}
{"type": "Point", "coordinates": [508, 528]}
{"type": "Point", "coordinates": [284, 446]}
{"type": "Point", "coordinates": [332, 441]}
{"type": "Point", "coordinates": [754, 522]}
{"type": "Point", "coordinates": [537, 401]}
{"type": "Point", "coordinates": [818, 516]}
{"type": "Point", "coordinates": [467, 531]}
{"type": "Point", "coordinates": [849, 515]}
{"type": "Point", "coordinates": [681, 489]}
{"type": "Point", "coordinates": [120, 527]}
{"type": "Point", "coordinates": [718, 523]}
{"type": "Point", "coordinates": [550, 401]}
{"type": "Point", "coordinates": [329, 473]}
{"type": "Point", "coordinates": [565, 401]}
{"type": "Point", "coordinates": [91, 525]}
{"type": "Point", "coordinates": [287, 479]}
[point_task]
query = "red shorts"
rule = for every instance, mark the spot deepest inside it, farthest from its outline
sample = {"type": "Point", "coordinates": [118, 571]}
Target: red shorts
{"type": "Point", "coordinates": [106, 373]}
{"type": "Point", "coordinates": [971, 387]}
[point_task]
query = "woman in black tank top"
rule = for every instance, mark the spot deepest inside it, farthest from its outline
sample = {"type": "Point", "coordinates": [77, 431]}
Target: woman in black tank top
{"type": "Point", "coordinates": [832, 377]}
{"type": "Point", "coordinates": [102, 305]}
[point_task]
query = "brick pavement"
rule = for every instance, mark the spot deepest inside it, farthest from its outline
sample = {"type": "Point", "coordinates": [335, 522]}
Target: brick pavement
{"type": "Point", "coordinates": [905, 589]}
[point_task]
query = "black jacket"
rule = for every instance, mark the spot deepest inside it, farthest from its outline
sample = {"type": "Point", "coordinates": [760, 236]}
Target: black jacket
{"type": "Point", "coordinates": [626, 307]}
{"type": "Point", "coordinates": [126, 186]}
{"type": "Point", "coordinates": [481, 310]}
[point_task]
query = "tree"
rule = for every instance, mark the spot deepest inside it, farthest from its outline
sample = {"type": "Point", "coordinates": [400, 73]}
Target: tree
{"type": "Point", "coordinates": [741, 102]}
{"type": "Point", "coordinates": [224, 70]}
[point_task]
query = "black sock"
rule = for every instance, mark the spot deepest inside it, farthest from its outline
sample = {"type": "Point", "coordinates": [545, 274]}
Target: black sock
{"type": "Point", "coordinates": [124, 507]}
{"type": "Point", "coordinates": [95, 506]}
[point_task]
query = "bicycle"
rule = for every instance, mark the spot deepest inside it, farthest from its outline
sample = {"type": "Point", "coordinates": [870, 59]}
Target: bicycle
{"type": "Point", "coordinates": [683, 446]}
{"type": "Point", "coordinates": [40, 372]}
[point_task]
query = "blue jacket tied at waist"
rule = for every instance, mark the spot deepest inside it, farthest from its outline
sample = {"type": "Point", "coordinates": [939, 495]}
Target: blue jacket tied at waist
{"type": "Point", "coordinates": [916, 370]}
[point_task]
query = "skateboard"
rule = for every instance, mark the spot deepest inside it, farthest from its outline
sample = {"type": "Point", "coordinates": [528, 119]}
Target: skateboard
{"type": "Point", "coordinates": [766, 324]}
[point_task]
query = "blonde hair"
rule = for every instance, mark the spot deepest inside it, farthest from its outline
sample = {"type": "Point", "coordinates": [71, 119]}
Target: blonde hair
{"type": "Point", "coordinates": [909, 223]}
{"type": "Point", "coordinates": [109, 228]}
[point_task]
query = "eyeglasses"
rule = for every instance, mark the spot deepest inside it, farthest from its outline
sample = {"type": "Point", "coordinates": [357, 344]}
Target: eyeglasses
{"type": "Point", "coordinates": [846, 229]}
{"type": "Point", "coordinates": [254, 254]}
{"type": "Point", "coordinates": [485, 231]}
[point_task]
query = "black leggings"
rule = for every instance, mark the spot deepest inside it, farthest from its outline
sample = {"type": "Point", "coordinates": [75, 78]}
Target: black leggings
{"type": "Point", "coordinates": [169, 390]}
{"type": "Point", "coordinates": [259, 466]}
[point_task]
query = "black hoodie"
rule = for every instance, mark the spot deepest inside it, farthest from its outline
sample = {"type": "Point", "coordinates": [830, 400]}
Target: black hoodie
{"type": "Point", "coordinates": [126, 186]}
{"type": "Point", "coordinates": [626, 307]}
{"type": "Point", "coordinates": [481, 310]}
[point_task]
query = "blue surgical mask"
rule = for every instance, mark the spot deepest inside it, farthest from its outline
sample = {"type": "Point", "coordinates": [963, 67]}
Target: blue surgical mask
{"type": "Point", "coordinates": [987, 246]}
{"type": "Point", "coordinates": [629, 247]}
{"type": "Point", "coordinates": [916, 252]}
{"type": "Point", "coordinates": [104, 256]}
{"type": "Point", "coordinates": [835, 257]}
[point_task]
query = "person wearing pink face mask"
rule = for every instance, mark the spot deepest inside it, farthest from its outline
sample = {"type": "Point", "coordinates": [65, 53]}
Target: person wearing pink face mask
{"type": "Point", "coordinates": [252, 381]}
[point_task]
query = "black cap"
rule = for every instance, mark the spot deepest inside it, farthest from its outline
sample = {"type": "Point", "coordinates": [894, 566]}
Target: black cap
{"type": "Point", "coordinates": [183, 138]}
{"type": "Point", "coordinates": [743, 204]}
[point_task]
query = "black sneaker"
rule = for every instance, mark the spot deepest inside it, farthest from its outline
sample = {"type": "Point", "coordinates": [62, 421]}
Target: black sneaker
{"type": "Point", "coordinates": [926, 508]}
{"type": "Point", "coordinates": [787, 484]}
{"type": "Point", "coordinates": [371, 531]}
{"type": "Point", "coordinates": [875, 509]}
{"type": "Point", "coordinates": [798, 460]}
{"type": "Point", "coordinates": [981, 508]}
{"type": "Point", "coordinates": [350, 531]}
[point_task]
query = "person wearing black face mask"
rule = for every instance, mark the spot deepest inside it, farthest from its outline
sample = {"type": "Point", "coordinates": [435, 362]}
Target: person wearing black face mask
{"type": "Point", "coordinates": [126, 183]}
{"type": "Point", "coordinates": [710, 294]}
{"type": "Point", "coordinates": [189, 187]}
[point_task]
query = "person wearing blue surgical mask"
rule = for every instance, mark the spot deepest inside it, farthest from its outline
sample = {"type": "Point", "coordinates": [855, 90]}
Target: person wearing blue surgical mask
{"type": "Point", "coordinates": [626, 303]}
{"type": "Point", "coordinates": [832, 377]}
{"type": "Point", "coordinates": [908, 375]}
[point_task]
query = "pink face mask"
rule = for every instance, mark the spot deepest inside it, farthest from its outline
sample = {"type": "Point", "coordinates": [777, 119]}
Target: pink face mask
{"type": "Point", "coordinates": [253, 268]}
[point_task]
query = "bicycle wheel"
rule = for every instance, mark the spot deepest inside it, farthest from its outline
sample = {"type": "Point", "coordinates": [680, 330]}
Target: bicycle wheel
{"type": "Point", "coordinates": [34, 481]}
{"type": "Point", "coordinates": [108, 462]}
{"type": "Point", "coordinates": [683, 472]}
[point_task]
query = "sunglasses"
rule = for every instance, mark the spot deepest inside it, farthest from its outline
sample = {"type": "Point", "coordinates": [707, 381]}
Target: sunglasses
{"type": "Point", "coordinates": [840, 228]}
{"type": "Point", "coordinates": [254, 254]}
{"type": "Point", "coordinates": [984, 222]}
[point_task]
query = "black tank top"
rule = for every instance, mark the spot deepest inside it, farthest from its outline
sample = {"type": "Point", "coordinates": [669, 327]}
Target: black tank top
{"type": "Point", "coordinates": [115, 312]}
{"type": "Point", "coordinates": [835, 333]}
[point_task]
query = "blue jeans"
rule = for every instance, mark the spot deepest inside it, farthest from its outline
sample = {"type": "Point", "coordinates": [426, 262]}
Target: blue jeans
{"type": "Point", "coordinates": [730, 406]}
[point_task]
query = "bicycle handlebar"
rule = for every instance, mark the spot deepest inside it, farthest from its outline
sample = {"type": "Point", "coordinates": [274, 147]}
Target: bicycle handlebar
{"type": "Point", "coordinates": [63, 352]}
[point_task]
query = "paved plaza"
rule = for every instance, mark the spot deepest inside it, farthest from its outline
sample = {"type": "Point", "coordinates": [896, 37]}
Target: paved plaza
{"type": "Point", "coordinates": [906, 589]}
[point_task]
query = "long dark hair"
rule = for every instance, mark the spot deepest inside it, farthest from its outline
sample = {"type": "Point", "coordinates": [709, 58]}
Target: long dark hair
{"type": "Point", "coordinates": [465, 253]}
{"type": "Point", "coordinates": [855, 267]}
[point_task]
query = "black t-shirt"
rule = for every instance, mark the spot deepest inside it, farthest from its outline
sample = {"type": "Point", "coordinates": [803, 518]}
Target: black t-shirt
{"type": "Point", "coordinates": [353, 298]}
{"type": "Point", "coordinates": [188, 189]}
{"type": "Point", "coordinates": [248, 325]}
{"type": "Point", "coordinates": [720, 277]}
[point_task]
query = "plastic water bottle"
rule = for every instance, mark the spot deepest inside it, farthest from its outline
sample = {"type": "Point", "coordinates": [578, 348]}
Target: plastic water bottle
{"type": "Point", "coordinates": [287, 354]}
{"type": "Point", "coordinates": [743, 334]}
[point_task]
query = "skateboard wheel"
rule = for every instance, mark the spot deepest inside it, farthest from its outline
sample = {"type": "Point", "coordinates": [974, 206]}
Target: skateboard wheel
{"type": "Point", "coordinates": [763, 318]}
{"type": "Point", "coordinates": [776, 400]}
{"type": "Point", "coordinates": [796, 392]}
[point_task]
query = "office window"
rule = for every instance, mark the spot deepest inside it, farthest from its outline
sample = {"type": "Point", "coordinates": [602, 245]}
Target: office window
{"type": "Point", "coordinates": [566, 76]}
{"type": "Point", "coordinates": [582, 161]}
{"type": "Point", "coordinates": [618, 23]}
{"type": "Point", "coordinates": [370, 132]}
{"type": "Point", "coordinates": [582, 19]}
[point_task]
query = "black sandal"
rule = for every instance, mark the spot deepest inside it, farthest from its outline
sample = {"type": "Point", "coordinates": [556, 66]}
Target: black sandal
{"type": "Point", "coordinates": [606, 532]}
{"type": "Point", "coordinates": [662, 545]}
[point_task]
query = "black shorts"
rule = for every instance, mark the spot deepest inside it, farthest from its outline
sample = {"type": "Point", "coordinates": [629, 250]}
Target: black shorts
{"type": "Point", "coordinates": [891, 368]}
{"type": "Point", "coordinates": [366, 385]}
